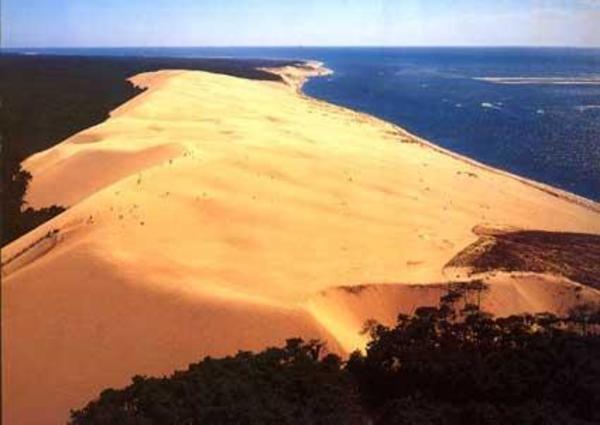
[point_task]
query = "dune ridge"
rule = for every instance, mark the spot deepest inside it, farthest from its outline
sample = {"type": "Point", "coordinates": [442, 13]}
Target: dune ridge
{"type": "Point", "coordinates": [213, 213]}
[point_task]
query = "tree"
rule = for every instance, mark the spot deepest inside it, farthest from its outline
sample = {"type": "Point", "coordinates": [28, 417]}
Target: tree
{"type": "Point", "coordinates": [445, 366]}
{"type": "Point", "coordinates": [16, 219]}
{"type": "Point", "coordinates": [295, 384]}
{"type": "Point", "coordinates": [439, 366]}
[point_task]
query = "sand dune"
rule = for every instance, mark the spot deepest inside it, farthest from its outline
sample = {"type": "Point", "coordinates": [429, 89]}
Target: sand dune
{"type": "Point", "coordinates": [213, 213]}
{"type": "Point", "coordinates": [344, 310]}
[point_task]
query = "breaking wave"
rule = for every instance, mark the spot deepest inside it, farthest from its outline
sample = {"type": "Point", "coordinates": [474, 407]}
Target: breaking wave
{"type": "Point", "coordinates": [588, 80]}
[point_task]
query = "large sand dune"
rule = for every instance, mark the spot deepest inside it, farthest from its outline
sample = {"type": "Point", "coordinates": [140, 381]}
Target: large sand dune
{"type": "Point", "coordinates": [213, 213]}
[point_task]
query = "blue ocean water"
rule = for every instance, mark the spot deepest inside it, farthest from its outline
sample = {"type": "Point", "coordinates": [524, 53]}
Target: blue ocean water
{"type": "Point", "coordinates": [532, 111]}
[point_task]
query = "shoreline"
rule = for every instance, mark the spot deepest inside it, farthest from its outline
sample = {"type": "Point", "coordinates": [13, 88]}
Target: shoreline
{"type": "Point", "coordinates": [210, 200]}
{"type": "Point", "coordinates": [316, 69]}
{"type": "Point", "coordinates": [296, 76]}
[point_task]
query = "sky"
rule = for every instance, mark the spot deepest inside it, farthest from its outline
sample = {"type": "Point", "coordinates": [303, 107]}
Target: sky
{"type": "Point", "coordinates": [146, 23]}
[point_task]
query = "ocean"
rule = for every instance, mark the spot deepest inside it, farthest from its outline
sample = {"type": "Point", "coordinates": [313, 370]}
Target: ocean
{"type": "Point", "coordinates": [534, 112]}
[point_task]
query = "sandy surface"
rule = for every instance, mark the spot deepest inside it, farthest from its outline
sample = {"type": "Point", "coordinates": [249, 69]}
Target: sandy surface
{"type": "Point", "coordinates": [212, 213]}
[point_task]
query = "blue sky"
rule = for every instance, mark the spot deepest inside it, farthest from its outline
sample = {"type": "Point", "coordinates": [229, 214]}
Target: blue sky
{"type": "Point", "coordinates": [87, 23]}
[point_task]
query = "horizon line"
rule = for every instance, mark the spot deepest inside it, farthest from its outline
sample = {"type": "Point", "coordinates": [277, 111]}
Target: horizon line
{"type": "Point", "coordinates": [301, 46]}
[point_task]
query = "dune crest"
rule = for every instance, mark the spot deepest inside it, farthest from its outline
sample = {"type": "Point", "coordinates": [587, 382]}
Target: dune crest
{"type": "Point", "coordinates": [213, 213]}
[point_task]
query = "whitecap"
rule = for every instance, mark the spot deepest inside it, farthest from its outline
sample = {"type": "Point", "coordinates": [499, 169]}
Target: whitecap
{"type": "Point", "coordinates": [489, 105]}
{"type": "Point", "coordinates": [583, 108]}
{"type": "Point", "coordinates": [575, 80]}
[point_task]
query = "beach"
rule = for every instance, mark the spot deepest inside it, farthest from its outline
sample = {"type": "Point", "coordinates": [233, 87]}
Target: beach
{"type": "Point", "coordinates": [212, 214]}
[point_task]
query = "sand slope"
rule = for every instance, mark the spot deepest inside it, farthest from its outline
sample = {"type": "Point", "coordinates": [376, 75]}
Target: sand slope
{"type": "Point", "coordinates": [213, 213]}
{"type": "Point", "coordinates": [344, 310]}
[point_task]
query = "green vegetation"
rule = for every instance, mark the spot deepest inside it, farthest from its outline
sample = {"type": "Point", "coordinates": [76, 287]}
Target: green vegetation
{"type": "Point", "coordinates": [279, 386]}
{"type": "Point", "coordinates": [445, 365]}
{"type": "Point", "coordinates": [17, 219]}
